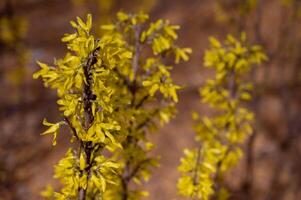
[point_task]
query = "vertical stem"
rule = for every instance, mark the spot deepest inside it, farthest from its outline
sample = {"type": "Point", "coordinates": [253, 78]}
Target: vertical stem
{"type": "Point", "coordinates": [196, 170]}
{"type": "Point", "coordinates": [258, 20]}
{"type": "Point", "coordinates": [232, 90]}
{"type": "Point", "coordinates": [135, 61]}
{"type": "Point", "coordinates": [248, 182]}
{"type": "Point", "coordinates": [125, 189]}
{"type": "Point", "coordinates": [125, 180]}
{"type": "Point", "coordinates": [88, 96]}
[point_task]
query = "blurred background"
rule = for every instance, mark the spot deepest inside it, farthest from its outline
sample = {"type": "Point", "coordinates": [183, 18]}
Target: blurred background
{"type": "Point", "coordinates": [31, 30]}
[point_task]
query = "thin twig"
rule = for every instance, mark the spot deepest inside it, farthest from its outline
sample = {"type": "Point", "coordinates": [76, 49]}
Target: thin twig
{"type": "Point", "coordinates": [88, 97]}
{"type": "Point", "coordinates": [132, 86]}
{"type": "Point", "coordinates": [196, 169]}
{"type": "Point", "coordinates": [248, 182]}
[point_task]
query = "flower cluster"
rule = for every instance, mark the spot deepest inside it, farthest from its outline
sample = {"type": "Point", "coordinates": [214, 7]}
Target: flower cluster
{"type": "Point", "coordinates": [87, 91]}
{"type": "Point", "coordinates": [147, 87]}
{"type": "Point", "coordinates": [113, 91]}
{"type": "Point", "coordinates": [220, 137]}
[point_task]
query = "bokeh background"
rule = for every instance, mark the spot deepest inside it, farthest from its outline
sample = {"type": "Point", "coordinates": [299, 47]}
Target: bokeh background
{"type": "Point", "coordinates": [30, 30]}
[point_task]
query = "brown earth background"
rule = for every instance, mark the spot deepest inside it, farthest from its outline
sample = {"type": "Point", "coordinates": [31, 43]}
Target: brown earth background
{"type": "Point", "coordinates": [27, 159]}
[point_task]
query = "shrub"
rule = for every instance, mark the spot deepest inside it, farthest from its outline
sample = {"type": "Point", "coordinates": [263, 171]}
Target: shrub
{"type": "Point", "coordinates": [112, 91]}
{"type": "Point", "coordinates": [220, 137]}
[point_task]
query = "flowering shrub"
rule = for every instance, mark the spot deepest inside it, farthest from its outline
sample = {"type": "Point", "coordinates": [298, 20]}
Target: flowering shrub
{"type": "Point", "coordinates": [220, 137]}
{"type": "Point", "coordinates": [112, 91]}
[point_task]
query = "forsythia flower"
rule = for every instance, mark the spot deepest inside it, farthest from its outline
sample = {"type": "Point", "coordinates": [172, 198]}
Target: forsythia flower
{"type": "Point", "coordinates": [86, 87]}
{"type": "Point", "coordinates": [220, 136]}
{"type": "Point", "coordinates": [146, 86]}
{"type": "Point", "coordinates": [112, 93]}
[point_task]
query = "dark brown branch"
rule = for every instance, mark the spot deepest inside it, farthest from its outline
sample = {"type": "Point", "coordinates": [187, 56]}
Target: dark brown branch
{"type": "Point", "coordinates": [195, 173]}
{"type": "Point", "coordinates": [136, 170]}
{"type": "Point", "coordinates": [128, 176]}
{"type": "Point", "coordinates": [72, 128]}
{"type": "Point", "coordinates": [141, 102]}
{"type": "Point", "coordinates": [88, 97]}
{"type": "Point", "coordinates": [196, 169]}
